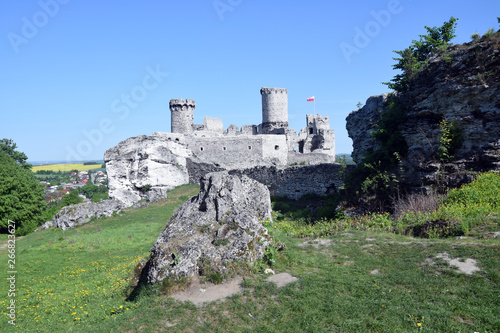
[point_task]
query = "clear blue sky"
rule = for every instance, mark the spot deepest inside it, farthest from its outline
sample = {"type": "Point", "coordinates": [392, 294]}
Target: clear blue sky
{"type": "Point", "coordinates": [68, 65]}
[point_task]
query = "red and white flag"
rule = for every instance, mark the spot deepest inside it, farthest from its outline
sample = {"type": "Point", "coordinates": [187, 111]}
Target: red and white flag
{"type": "Point", "coordinates": [310, 99]}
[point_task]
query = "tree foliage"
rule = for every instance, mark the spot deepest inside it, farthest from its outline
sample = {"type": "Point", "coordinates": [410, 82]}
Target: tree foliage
{"type": "Point", "coordinates": [21, 197]}
{"type": "Point", "coordinates": [94, 192]}
{"type": "Point", "coordinates": [414, 58]}
{"type": "Point", "coordinates": [9, 147]}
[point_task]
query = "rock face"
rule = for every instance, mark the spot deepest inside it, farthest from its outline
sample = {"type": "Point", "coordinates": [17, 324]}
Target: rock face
{"type": "Point", "coordinates": [360, 124]}
{"type": "Point", "coordinates": [145, 167]}
{"type": "Point", "coordinates": [461, 87]}
{"type": "Point", "coordinates": [71, 216]}
{"type": "Point", "coordinates": [209, 232]}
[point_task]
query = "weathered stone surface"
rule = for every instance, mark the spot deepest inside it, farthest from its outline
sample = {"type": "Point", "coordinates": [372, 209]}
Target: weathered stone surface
{"type": "Point", "coordinates": [145, 167]}
{"type": "Point", "coordinates": [360, 124]}
{"type": "Point", "coordinates": [71, 216]}
{"type": "Point", "coordinates": [294, 182]}
{"type": "Point", "coordinates": [461, 88]}
{"type": "Point", "coordinates": [219, 226]}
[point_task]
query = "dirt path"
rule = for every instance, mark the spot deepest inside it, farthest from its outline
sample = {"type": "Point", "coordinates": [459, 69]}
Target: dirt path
{"type": "Point", "coordinates": [200, 293]}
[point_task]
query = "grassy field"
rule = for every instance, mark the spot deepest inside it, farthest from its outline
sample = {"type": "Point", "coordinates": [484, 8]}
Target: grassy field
{"type": "Point", "coordinates": [66, 167]}
{"type": "Point", "coordinates": [354, 281]}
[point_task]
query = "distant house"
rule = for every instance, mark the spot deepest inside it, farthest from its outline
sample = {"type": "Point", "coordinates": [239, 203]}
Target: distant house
{"type": "Point", "coordinates": [50, 198]}
{"type": "Point", "coordinates": [85, 181]}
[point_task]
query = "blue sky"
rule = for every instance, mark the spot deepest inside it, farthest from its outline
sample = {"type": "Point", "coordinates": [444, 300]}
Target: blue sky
{"type": "Point", "coordinates": [78, 76]}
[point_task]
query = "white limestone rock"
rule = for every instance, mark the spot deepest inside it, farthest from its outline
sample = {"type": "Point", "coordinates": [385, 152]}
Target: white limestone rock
{"type": "Point", "coordinates": [145, 167]}
{"type": "Point", "coordinates": [74, 215]}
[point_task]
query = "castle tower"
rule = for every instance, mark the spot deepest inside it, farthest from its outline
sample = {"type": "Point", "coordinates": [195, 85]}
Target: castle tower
{"type": "Point", "coordinates": [182, 115]}
{"type": "Point", "coordinates": [274, 110]}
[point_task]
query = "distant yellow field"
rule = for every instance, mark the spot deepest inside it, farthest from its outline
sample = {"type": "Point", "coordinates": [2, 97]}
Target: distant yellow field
{"type": "Point", "coordinates": [65, 167]}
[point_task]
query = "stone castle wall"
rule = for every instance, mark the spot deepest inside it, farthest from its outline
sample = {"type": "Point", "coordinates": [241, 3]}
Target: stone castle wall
{"type": "Point", "coordinates": [294, 182]}
{"type": "Point", "coordinates": [240, 151]}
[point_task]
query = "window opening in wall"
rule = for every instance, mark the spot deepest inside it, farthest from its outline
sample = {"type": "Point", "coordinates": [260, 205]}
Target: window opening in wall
{"type": "Point", "coordinates": [176, 139]}
{"type": "Point", "coordinates": [250, 147]}
{"type": "Point", "coordinates": [276, 147]}
{"type": "Point", "coordinates": [201, 148]}
{"type": "Point", "coordinates": [224, 148]}
{"type": "Point", "coordinates": [311, 130]}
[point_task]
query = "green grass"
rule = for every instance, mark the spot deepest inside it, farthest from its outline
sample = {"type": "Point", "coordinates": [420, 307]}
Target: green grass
{"type": "Point", "coordinates": [77, 281]}
{"type": "Point", "coordinates": [77, 278]}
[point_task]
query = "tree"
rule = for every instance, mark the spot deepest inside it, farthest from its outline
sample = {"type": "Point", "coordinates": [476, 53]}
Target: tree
{"type": "Point", "coordinates": [415, 57]}
{"type": "Point", "coordinates": [72, 198]}
{"type": "Point", "coordinates": [9, 147]}
{"type": "Point", "coordinates": [21, 197]}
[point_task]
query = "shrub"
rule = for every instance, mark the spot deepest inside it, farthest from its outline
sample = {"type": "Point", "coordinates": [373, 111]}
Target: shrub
{"type": "Point", "coordinates": [449, 139]}
{"type": "Point", "coordinates": [489, 32]}
{"type": "Point", "coordinates": [479, 198]}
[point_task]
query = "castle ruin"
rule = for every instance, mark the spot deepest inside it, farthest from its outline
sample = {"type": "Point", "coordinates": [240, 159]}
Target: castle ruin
{"type": "Point", "coordinates": [269, 143]}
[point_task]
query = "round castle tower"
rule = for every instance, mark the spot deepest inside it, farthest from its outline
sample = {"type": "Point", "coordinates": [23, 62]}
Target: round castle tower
{"type": "Point", "coordinates": [274, 110]}
{"type": "Point", "coordinates": [182, 115]}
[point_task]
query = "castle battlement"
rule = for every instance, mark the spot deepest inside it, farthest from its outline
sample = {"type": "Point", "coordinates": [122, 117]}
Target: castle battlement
{"type": "Point", "coordinates": [182, 115]}
{"type": "Point", "coordinates": [179, 103]}
{"type": "Point", "coordinates": [265, 90]}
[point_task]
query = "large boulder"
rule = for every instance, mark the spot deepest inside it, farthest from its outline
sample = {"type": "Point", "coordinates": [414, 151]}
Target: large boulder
{"type": "Point", "coordinates": [145, 167]}
{"type": "Point", "coordinates": [209, 232]}
{"type": "Point", "coordinates": [73, 215]}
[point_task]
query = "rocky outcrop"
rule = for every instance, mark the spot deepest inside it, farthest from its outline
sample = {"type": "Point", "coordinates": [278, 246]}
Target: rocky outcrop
{"type": "Point", "coordinates": [361, 123]}
{"type": "Point", "coordinates": [213, 230]}
{"type": "Point", "coordinates": [74, 215]}
{"type": "Point", "coordinates": [145, 167]}
{"type": "Point", "coordinates": [462, 86]}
